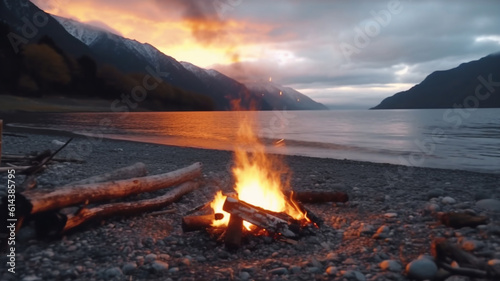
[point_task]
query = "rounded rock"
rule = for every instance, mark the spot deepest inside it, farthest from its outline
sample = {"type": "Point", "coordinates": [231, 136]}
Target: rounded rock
{"type": "Point", "coordinates": [279, 271]}
{"type": "Point", "coordinates": [129, 268]}
{"type": "Point", "coordinates": [489, 204]}
{"type": "Point", "coordinates": [244, 275]}
{"type": "Point", "coordinates": [448, 200]}
{"type": "Point", "coordinates": [331, 270]}
{"type": "Point", "coordinates": [391, 265]}
{"type": "Point", "coordinates": [159, 266]}
{"type": "Point", "coordinates": [112, 273]}
{"type": "Point", "coordinates": [422, 269]}
{"type": "Point", "coordinates": [354, 275]}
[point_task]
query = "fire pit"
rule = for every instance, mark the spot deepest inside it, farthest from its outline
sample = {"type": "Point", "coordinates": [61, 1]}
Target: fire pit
{"type": "Point", "coordinates": [262, 202]}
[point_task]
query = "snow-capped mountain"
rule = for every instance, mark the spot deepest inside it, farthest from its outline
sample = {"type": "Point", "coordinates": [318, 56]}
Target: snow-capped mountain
{"type": "Point", "coordinates": [131, 56]}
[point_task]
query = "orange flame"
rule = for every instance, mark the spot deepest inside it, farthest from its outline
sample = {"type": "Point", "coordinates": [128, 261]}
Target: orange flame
{"type": "Point", "coordinates": [259, 178]}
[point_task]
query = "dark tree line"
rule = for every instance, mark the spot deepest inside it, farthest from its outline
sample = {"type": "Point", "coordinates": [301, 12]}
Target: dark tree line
{"type": "Point", "coordinates": [42, 69]}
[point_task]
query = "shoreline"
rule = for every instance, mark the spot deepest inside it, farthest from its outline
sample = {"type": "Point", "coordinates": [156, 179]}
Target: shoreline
{"type": "Point", "coordinates": [53, 132]}
{"type": "Point", "coordinates": [154, 247]}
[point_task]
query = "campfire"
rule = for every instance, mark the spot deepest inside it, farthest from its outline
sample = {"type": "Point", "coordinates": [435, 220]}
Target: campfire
{"type": "Point", "coordinates": [262, 202]}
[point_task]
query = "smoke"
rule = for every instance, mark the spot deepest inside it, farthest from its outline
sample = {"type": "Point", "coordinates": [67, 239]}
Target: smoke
{"type": "Point", "coordinates": [203, 20]}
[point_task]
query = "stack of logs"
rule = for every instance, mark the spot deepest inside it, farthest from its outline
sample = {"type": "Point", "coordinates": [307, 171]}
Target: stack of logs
{"type": "Point", "coordinates": [51, 210]}
{"type": "Point", "coordinates": [279, 225]}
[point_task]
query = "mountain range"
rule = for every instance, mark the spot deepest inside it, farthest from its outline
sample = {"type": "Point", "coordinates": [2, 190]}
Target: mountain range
{"type": "Point", "coordinates": [471, 84]}
{"type": "Point", "coordinates": [132, 57]}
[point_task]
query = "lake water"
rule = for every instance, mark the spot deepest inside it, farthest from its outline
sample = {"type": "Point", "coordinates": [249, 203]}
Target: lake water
{"type": "Point", "coordinates": [439, 138]}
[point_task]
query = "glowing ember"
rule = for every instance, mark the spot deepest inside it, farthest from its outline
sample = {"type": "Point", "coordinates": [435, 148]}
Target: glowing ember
{"type": "Point", "coordinates": [259, 179]}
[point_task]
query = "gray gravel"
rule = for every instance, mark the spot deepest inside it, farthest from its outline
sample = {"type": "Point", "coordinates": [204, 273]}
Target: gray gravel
{"type": "Point", "coordinates": [389, 221]}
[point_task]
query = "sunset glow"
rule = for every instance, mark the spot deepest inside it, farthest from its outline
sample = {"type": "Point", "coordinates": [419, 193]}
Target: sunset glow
{"type": "Point", "coordinates": [302, 44]}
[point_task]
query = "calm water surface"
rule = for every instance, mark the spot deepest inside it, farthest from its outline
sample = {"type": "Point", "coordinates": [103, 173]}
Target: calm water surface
{"type": "Point", "coordinates": [430, 138]}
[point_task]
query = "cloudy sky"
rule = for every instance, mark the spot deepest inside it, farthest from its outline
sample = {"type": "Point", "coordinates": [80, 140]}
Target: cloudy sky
{"type": "Point", "coordinates": [346, 54]}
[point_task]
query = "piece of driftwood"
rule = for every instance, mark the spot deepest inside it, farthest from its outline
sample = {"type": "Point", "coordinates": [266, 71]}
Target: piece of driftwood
{"type": "Point", "coordinates": [52, 223]}
{"type": "Point", "coordinates": [459, 220]}
{"type": "Point", "coordinates": [129, 208]}
{"type": "Point", "coordinates": [273, 222]}
{"type": "Point", "coordinates": [195, 223]}
{"type": "Point", "coordinates": [469, 265]}
{"type": "Point", "coordinates": [133, 171]}
{"type": "Point", "coordinates": [233, 233]}
{"type": "Point", "coordinates": [54, 199]}
{"type": "Point", "coordinates": [42, 159]}
{"type": "Point", "coordinates": [318, 196]}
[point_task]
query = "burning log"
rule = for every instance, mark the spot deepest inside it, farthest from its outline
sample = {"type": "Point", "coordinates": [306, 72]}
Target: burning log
{"type": "Point", "coordinates": [274, 223]}
{"type": "Point", "coordinates": [58, 223]}
{"type": "Point", "coordinates": [136, 170]}
{"type": "Point", "coordinates": [234, 230]}
{"type": "Point", "coordinates": [58, 198]}
{"type": "Point", "coordinates": [195, 223]}
{"type": "Point", "coordinates": [318, 196]}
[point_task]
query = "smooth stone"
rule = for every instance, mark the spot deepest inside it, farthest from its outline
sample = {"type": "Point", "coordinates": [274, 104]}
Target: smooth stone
{"type": "Point", "coordinates": [279, 271]}
{"type": "Point", "coordinates": [432, 207]}
{"type": "Point", "coordinates": [113, 272]}
{"type": "Point", "coordinates": [331, 270]}
{"type": "Point", "coordinates": [434, 193]}
{"type": "Point", "coordinates": [295, 269]}
{"type": "Point", "coordinates": [244, 275]}
{"type": "Point", "coordinates": [313, 270]}
{"type": "Point", "coordinates": [448, 200]}
{"type": "Point", "coordinates": [129, 268]}
{"type": "Point", "coordinates": [354, 275]}
{"type": "Point", "coordinates": [391, 265]}
{"type": "Point", "coordinates": [422, 269]}
{"type": "Point", "coordinates": [489, 204]}
{"type": "Point", "coordinates": [494, 262]}
{"type": "Point", "coordinates": [390, 215]}
{"type": "Point", "coordinates": [150, 258]}
{"type": "Point", "coordinates": [472, 245]}
{"type": "Point", "coordinates": [174, 270]}
{"type": "Point", "coordinates": [159, 266]}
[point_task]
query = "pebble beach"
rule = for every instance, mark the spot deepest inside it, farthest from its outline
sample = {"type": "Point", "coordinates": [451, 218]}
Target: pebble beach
{"type": "Point", "coordinates": [384, 231]}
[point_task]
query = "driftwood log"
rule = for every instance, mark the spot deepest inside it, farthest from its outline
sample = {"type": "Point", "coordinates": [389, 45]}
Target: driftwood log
{"type": "Point", "coordinates": [274, 223]}
{"type": "Point", "coordinates": [469, 265]}
{"type": "Point", "coordinates": [130, 208]}
{"type": "Point", "coordinates": [53, 223]}
{"type": "Point", "coordinates": [136, 170]}
{"type": "Point", "coordinates": [41, 200]}
{"type": "Point", "coordinates": [233, 233]}
{"type": "Point", "coordinates": [195, 223]}
{"type": "Point", "coordinates": [459, 220]}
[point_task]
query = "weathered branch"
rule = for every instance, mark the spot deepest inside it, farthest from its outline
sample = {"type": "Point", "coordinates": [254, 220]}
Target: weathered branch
{"type": "Point", "coordinates": [42, 200]}
{"type": "Point", "coordinates": [194, 223]}
{"type": "Point", "coordinates": [129, 208]}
